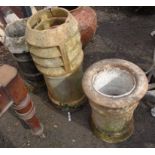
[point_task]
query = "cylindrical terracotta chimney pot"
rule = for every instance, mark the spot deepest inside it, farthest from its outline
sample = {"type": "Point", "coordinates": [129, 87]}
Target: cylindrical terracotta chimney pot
{"type": "Point", "coordinates": [114, 88]}
{"type": "Point", "coordinates": [54, 42]}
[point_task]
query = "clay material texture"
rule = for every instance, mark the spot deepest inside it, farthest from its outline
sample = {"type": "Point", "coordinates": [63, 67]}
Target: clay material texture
{"type": "Point", "coordinates": [54, 42]}
{"type": "Point", "coordinates": [114, 88]}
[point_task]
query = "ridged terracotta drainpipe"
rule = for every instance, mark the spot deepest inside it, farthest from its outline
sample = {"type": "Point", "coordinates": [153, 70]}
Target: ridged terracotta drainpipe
{"type": "Point", "coordinates": [13, 92]}
{"type": "Point", "coordinates": [54, 42]}
{"type": "Point", "coordinates": [114, 88]}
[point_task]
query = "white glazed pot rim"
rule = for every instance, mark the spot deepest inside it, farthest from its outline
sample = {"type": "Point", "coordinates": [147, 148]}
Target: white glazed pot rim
{"type": "Point", "coordinates": [132, 97]}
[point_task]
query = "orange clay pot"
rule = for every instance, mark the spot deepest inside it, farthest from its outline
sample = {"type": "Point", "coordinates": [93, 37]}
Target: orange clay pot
{"type": "Point", "coordinates": [87, 20]}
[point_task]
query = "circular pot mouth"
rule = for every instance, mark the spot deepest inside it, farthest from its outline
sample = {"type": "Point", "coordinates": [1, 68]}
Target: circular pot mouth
{"type": "Point", "coordinates": [48, 19]}
{"type": "Point", "coordinates": [114, 82]}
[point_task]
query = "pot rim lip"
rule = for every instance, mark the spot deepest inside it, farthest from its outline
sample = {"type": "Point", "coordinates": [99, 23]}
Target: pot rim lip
{"type": "Point", "coordinates": [120, 102]}
{"type": "Point", "coordinates": [46, 10]}
{"type": "Point", "coordinates": [62, 31]}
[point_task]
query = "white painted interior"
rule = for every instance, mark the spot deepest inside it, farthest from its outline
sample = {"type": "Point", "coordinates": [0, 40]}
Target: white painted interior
{"type": "Point", "coordinates": [114, 82]}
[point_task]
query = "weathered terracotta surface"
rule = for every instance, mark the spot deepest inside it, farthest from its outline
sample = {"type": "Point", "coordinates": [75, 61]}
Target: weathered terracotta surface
{"type": "Point", "coordinates": [5, 101]}
{"type": "Point", "coordinates": [56, 50]}
{"type": "Point", "coordinates": [112, 114]}
{"type": "Point", "coordinates": [66, 91]}
{"type": "Point", "coordinates": [87, 21]}
{"type": "Point", "coordinates": [54, 42]}
{"type": "Point", "coordinates": [5, 77]}
{"type": "Point", "coordinates": [15, 91]}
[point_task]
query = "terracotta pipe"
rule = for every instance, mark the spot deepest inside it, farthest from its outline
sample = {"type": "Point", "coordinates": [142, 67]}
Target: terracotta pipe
{"type": "Point", "coordinates": [15, 91]}
{"type": "Point", "coordinates": [5, 101]}
{"type": "Point", "coordinates": [114, 88]}
{"type": "Point", "coordinates": [58, 55]}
